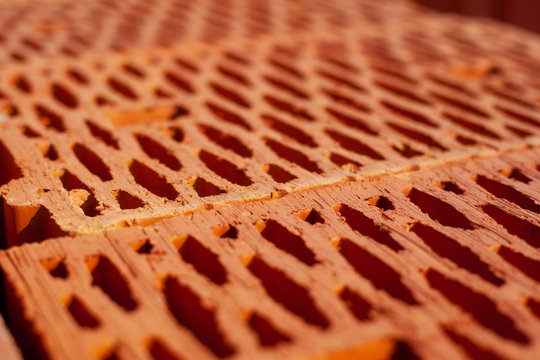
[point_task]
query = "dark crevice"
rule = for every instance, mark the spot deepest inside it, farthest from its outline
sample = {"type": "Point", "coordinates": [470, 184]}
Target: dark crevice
{"type": "Point", "coordinates": [288, 293]}
{"type": "Point", "coordinates": [376, 271]}
{"type": "Point", "coordinates": [367, 227]}
{"type": "Point", "coordinates": [460, 255]}
{"type": "Point", "coordinates": [188, 310]}
{"type": "Point", "coordinates": [107, 277]}
{"type": "Point", "coordinates": [267, 334]}
{"type": "Point", "coordinates": [439, 210]}
{"type": "Point", "coordinates": [519, 227]}
{"type": "Point", "coordinates": [285, 240]}
{"type": "Point", "coordinates": [478, 305]}
{"type": "Point", "coordinates": [205, 261]}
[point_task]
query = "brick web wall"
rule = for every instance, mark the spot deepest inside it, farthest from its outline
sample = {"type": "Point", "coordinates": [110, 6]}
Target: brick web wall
{"type": "Point", "coordinates": [269, 180]}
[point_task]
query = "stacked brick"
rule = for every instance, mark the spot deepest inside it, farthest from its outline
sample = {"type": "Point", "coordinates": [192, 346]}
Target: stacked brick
{"type": "Point", "coordinates": [366, 191]}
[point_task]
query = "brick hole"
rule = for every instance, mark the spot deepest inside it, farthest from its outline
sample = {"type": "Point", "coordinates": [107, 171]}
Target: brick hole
{"type": "Point", "coordinates": [224, 168]}
{"type": "Point", "coordinates": [286, 68]}
{"type": "Point", "coordinates": [394, 74]}
{"type": "Point", "coordinates": [288, 293]}
{"type": "Point", "coordinates": [50, 152]}
{"type": "Point", "coordinates": [186, 65]}
{"type": "Point", "coordinates": [38, 222]}
{"type": "Point", "coordinates": [470, 348]}
{"type": "Point", "coordinates": [179, 82]}
{"type": "Point", "coordinates": [478, 305]}
{"type": "Point", "coordinates": [366, 226]}
{"type": "Point", "coordinates": [32, 44]}
{"type": "Point", "coordinates": [9, 111]}
{"type": "Point", "coordinates": [78, 76]}
{"type": "Point", "coordinates": [22, 83]}
{"type": "Point", "coordinates": [526, 265]}
{"type": "Point", "coordinates": [15, 313]}
{"type": "Point", "coordinates": [339, 63]}
{"type": "Point", "coordinates": [163, 94]}
{"type": "Point", "coordinates": [398, 91]}
{"type": "Point", "coordinates": [107, 277]}
{"type": "Point", "coordinates": [228, 231]}
{"type": "Point", "coordinates": [158, 152]}
{"type": "Point", "coordinates": [345, 100]}
{"type": "Point", "coordinates": [227, 116]}
{"type": "Point", "coordinates": [508, 97]}
{"type": "Point", "coordinates": [204, 187]}
{"type": "Point", "coordinates": [143, 246]}
{"type": "Point", "coordinates": [134, 71]}
{"type": "Point", "coordinates": [81, 314]}
{"type": "Point", "coordinates": [233, 75]}
{"type": "Point", "coordinates": [521, 228]}
{"type": "Point", "coordinates": [189, 311]}
{"type": "Point", "coordinates": [102, 134]}
{"type": "Point", "coordinates": [121, 88]}
{"type": "Point", "coordinates": [516, 174]}
{"type": "Point", "coordinates": [225, 140]}
{"type": "Point", "coordinates": [358, 306]}
{"type": "Point", "coordinates": [310, 216]}
{"type": "Point", "coordinates": [287, 87]}
{"type": "Point", "coordinates": [159, 351]}
{"type": "Point", "coordinates": [127, 201]}
{"type": "Point", "coordinates": [472, 126]}
{"type": "Point", "coordinates": [230, 95]}
{"type": "Point", "coordinates": [376, 271]}
{"type": "Point", "coordinates": [289, 130]}
{"type": "Point", "coordinates": [460, 255]}
{"type": "Point", "coordinates": [465, 140]}
{"type": "Point", "coordinates": [451, 85]}
{"type": "Point", "coordinates": [205, 261]}
{"type": "Point", "coordinates": [267, 334]}
{"type": "Point", "coordinates": [91, 206]}
{"type": "Point", "coordinates": [507, 192]}
{"type": "Point", "coordinates": [351, 121]}
{"type": "Point", "coordinates": [353, 145]}
{"type": "Point", "coordinates": [71, 181]}
{"type": "Point", "coordinates": [152, 181]}
{"type": "Point", "coordinates": [64, 96]}
{"type": "Point", "coordinates": [517, 131]}
{"type": "Point", "coordinates": [417, 136]}
{"type": "Point", "coordinates": [408, 114]}
{"type": "Point", "coordinates": [176, 133]}
{"type": "Point", "coordinates": [278, 174]}
{"type": "Point", "coordinates": [438, 210]}
{"type": "Point", "coordinates": [467, 107]}
{"type": "Point", "coordinates": [406, 150]}
{"type": "Point", "coordinates": [382, 202]}
{"type": "Point", "coordinates": [284, 106]}
{"type": "Point", "coordinates": [101, 100]}
{"type": "Point", "coordinates": [92, 162]}
{"type": "Point", "coordinates": [49, 119]}
{"type": "Point", "coordinates": [450, 186]}
{"type": "Point", "coordinates": [29, 132]}
{"type": "Point", "coordinates": [340, 81]}
{"type": "Point", "coordinates": [237, 58]}
{"type": "Point", "coordinates": [10, 169]}
{"type": "Point", "coordinates": [292, 155]}
{"type": "Point", "coordinates": [285, 240]}
{"type": "Point", "coordinates": [56, 266]}
{"type": "Point", "coordinates": [344, 162]}
{"type": "Point", "coordinates": [534, 306]}
{"type": "Point", "coordinates": [518, 116]}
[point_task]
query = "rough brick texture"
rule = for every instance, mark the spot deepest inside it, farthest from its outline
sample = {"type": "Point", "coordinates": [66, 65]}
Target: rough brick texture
{"type": "Point", "coordinates": [249, 179]}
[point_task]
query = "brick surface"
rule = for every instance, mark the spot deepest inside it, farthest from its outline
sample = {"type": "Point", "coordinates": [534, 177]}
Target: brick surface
{"type": "Point", "coordinates": [282, 180]}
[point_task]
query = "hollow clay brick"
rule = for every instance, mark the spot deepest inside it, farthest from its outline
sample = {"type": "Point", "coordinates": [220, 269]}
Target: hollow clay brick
{"type": "Point", "coordinates": [303, 180]}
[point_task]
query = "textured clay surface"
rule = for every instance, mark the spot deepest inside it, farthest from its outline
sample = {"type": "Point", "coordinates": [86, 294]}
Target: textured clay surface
{"type": "Point", "coordinates": [255, 179]}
